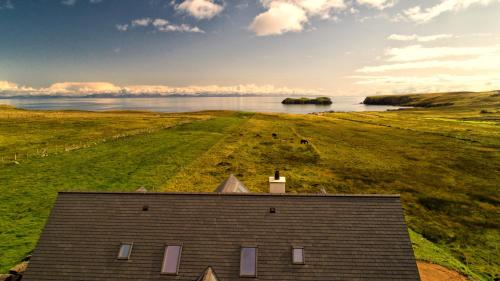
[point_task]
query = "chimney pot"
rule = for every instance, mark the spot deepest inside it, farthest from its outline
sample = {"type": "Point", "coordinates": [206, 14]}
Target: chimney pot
{"type": "Point", "coordinates": [277, 174]}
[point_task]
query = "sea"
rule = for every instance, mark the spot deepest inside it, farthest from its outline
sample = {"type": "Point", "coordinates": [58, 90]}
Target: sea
{"type": "Point", "coordinates": [192, 104]}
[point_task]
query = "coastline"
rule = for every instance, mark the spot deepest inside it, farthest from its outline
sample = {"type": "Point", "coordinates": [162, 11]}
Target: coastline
{"type": "Point", "coordinates": [264, 104]}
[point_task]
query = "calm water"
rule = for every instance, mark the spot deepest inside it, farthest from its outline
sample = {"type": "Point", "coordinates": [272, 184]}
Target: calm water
{"type": "Point", "coordinates": [187, 104]}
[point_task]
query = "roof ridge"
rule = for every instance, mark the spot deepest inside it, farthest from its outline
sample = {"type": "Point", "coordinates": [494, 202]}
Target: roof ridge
{"type": "Point", "coordinates": [231, 194]}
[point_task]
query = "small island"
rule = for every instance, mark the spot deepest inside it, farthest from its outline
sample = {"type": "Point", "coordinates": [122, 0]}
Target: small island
{"type": "Point", "coordinates": [317, 101]}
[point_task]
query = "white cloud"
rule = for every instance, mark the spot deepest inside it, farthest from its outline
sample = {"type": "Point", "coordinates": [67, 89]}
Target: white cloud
{"type": "Point", "coordinates": [489, 63]}
{"type": "Point", "coordinates": [434, 83]}
{"type": "Point", "coordinates": [417, 68]}
{"type": "Point", "coordinates": [141, 22]}
{"type": "Point", "coordinates": [284, 16]}
{"type": "Point", "coordinates": [161, 25]}
{"type": "Point", "coordinates": [423, 15]}
{"type": "Point", "coordinates": [321, 8]}
{"type": "Point", "coordinates": [485, 58]}
{"type": "Point", "coordinates": [9, 87]}
{"type": "Point", "coordinates": [90, 88]}
{"type": "Point", "coordinates": [418, 52]}
{"type": "Point", "coordinates": [6, 85]}
{"type": "Point", "coordinates": [278, 19]}
{"type": "Point", "coordinates": [180, 28]}
{"type": "Point", "coordinates": [160, 22]}
{"type": "Point", "coordinates": [415, 37]}
{"type": "Point", "coordinates": [68, 2]}
{"type": "Point", "coordinates": [82, 88]}
{"type": "Point", "coordinates": [122, 27]}
{"type": "Point", "coordinates": [216, 89]}
{"type": "Point", "coordinates": [200, 9]}
{"type": "Point", "coordinates": [379, 4]}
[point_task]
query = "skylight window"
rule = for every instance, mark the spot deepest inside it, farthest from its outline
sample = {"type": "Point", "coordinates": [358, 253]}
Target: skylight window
{"type": "Point", "coordinates": [125, 251]}
{"type": "Point", "coordinates": [171, 259]}
{"type": "Point", "coordinates": [298, 255]}
{"type": "Point", "coordinates": [248, 262]}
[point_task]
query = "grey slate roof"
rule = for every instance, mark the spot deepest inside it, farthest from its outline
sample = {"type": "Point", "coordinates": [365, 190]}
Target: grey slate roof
{"type": "Point", "coordinates": [344, 237]}
{"type": "Point", "coordinates": [231, 184]}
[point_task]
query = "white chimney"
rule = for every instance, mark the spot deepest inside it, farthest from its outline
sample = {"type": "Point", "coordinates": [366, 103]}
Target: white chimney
{"type": "Point", "coordinates": [277, 183]}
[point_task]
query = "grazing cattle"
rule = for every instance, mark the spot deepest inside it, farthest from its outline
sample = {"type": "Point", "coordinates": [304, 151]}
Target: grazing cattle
{"type": "Point", "coordinates": [275, 135]}
{"type": "Point", "coordinates": [302, 141]}
{"type": "Point", "coordinates": [257, 135]}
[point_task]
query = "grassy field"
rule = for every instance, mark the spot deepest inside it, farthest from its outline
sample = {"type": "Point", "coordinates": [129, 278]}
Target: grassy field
{"type": "Point", "coordinates": [444, 161]}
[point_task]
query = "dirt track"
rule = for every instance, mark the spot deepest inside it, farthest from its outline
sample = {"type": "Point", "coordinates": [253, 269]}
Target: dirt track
{"type": "Point", "coordinates": [434, 272]}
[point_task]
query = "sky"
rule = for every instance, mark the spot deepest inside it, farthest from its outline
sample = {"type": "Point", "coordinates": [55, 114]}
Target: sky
{"type": "Point", "coordinates": [327, 47]}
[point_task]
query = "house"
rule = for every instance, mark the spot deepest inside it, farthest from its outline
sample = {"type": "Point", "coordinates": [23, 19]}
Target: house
{"type": "Point", "coordinates": [224, 236]}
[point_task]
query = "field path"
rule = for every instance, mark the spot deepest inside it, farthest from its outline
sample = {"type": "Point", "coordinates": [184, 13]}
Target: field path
{"type": "Point", "coordinates": [188, 178]}
{"type": "Point", "coordinates": [305, 138]}
{"type": "Point", "coordinates": [434, 272]}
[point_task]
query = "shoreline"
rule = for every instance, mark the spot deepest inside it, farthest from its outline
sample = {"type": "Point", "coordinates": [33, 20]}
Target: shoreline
{"type": "Point", "coordinates": [193, 104]}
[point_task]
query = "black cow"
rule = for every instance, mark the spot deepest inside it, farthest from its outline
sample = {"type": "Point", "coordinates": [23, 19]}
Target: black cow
{"type": "Point", "coordinates": [275, 135]}
{"type": "Point", "coordinates": [303, 141]}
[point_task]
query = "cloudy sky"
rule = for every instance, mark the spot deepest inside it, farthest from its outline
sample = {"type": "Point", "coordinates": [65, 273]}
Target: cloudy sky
{"type": "Point", "coordinates": [335, 47]}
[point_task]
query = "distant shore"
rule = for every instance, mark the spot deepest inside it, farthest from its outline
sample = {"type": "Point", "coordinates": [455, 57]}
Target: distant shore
{"type": "Point", "coordinates": [192, 104]}
{"type": "Point", "coordinates": [431, 100]}
{"type": "Point", "coordinates": [128, 96]}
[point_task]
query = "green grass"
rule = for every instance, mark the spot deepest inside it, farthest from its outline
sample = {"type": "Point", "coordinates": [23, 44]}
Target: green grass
{"type": "Point", "coordinates": [28, 189]}
{"type": "Point", "coordinates": [442, 160]}
{"type": "Point", "coordinates": [38, 133]}
{"type": "Point", "coordinates": [455, 99]}
{"type": "Point", "coordinates": [428, 251]}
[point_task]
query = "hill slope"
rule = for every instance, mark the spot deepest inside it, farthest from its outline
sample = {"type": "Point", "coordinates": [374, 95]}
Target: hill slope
{"type": "Point", "coordinates": [455, 99]}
